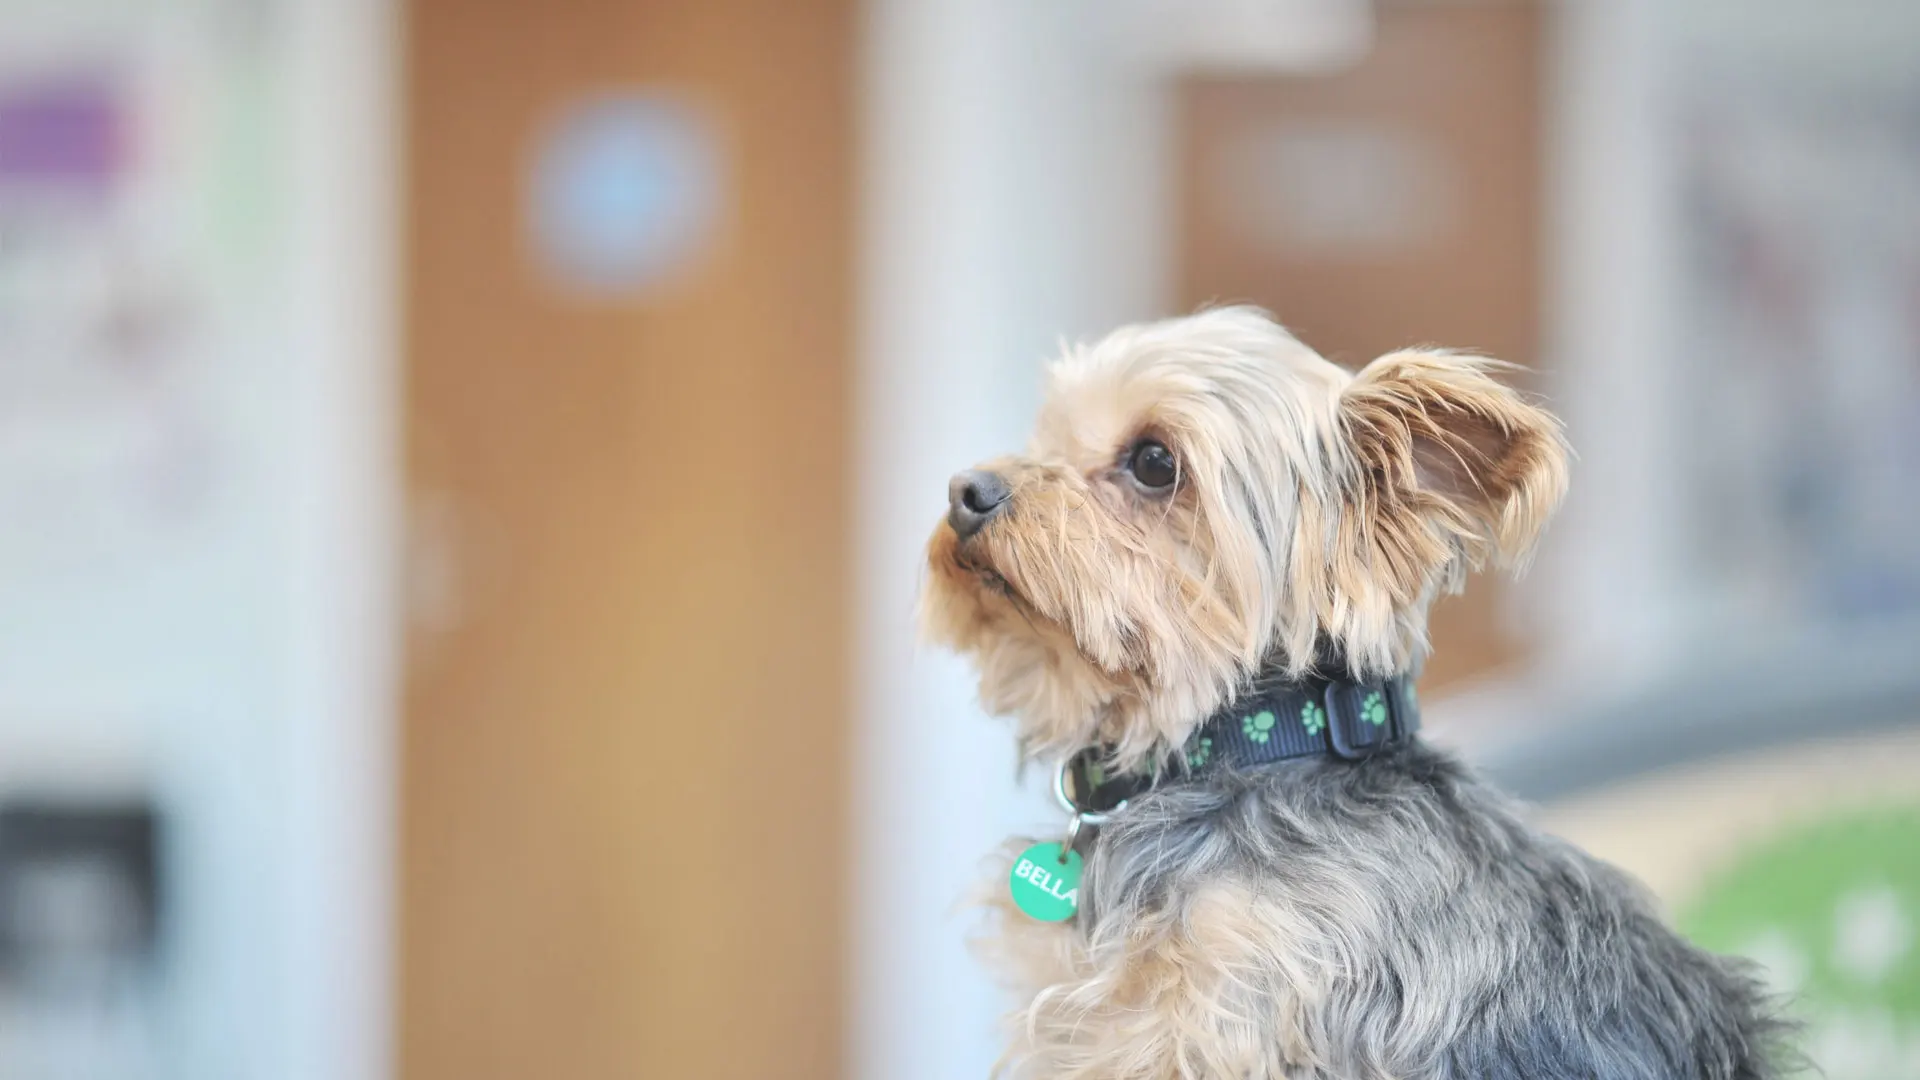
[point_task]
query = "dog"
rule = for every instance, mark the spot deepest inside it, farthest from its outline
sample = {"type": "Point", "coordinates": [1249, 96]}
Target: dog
{"type": "Point", "coordinates": [1205, 586]}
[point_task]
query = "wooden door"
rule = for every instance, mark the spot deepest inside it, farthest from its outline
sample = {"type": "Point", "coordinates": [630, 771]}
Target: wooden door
{"type": "Point", "coordinates": [626, 702]}
{"type": "Point", "coordinates": [1391, 205]}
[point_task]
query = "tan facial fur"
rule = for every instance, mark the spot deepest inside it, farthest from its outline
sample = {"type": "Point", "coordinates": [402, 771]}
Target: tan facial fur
{"type": "Point", "coordinates": [1312, 506]}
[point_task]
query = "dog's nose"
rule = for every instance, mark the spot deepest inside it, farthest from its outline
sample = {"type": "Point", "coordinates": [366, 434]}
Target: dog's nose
{"type": "Point", "coordinates": [973, 497]}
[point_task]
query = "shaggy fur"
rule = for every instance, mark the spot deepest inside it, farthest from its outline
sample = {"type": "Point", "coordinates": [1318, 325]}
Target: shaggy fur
{"type": "Point", "coordinates": [1310, 919]}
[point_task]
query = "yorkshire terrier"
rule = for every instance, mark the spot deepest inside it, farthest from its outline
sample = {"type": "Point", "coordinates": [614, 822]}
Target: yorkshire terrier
{"type": "Point", "coordinates": [1204, 588]}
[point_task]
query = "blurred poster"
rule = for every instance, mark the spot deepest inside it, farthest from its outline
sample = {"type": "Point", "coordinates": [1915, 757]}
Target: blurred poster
{"type": "Point", "coordinates": [139, 333]}
{"type": "Point", "coordinates": [1799, 311]}
{"type": "Point", "coordinates": [106, 406]}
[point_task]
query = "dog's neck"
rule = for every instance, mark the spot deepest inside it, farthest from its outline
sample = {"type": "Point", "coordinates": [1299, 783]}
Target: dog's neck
{"type": "Point", "coordinates": [1274, 719]}
{"type": "Point", "coordinates": [1063, 703]}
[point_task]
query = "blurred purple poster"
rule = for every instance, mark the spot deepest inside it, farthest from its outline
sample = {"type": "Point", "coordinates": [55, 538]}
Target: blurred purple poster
{"type": "Point", "coordinates": [68, 132]}
{"type": "Point", "coordinates": [104, 359]}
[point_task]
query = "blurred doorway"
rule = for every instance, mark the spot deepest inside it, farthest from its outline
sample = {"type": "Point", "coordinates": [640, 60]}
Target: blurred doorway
{"type": "Point", "coordinates": [628, 377]}
{"type": "Point", "coordinates": [1390, 205]}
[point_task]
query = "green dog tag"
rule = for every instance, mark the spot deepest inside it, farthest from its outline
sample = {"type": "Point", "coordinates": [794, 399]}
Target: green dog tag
{"type": "Point", "coordinates": [1044, 886]}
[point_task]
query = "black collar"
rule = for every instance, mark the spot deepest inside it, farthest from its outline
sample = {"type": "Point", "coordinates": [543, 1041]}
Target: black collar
{"type": "Point", "coordinates": [1274, 720]}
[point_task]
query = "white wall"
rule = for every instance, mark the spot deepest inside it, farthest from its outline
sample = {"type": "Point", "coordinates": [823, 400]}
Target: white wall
{"type": "Point", "coordinates": [344, 507]}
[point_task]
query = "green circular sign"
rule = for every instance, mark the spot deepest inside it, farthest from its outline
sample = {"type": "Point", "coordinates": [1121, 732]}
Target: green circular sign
{"type": "Point", "coordinates": [1045, 884]}
{"type": "Point", "coordinates": [1831, 910]}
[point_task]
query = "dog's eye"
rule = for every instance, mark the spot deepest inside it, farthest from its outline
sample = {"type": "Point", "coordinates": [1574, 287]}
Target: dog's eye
{"type": "Point", "coordinates": [1152, 465]}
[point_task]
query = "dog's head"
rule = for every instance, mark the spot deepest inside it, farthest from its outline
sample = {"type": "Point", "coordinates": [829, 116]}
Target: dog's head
{"type": "Point", "coordinates": [1204, 495]}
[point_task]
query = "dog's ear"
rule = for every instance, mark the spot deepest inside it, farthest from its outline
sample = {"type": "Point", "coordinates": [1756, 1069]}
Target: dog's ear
{"type": "Point", "coordinates": [1455, 470]}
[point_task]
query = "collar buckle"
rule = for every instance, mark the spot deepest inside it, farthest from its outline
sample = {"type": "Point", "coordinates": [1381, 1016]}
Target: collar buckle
{"type": "Point", "coordinates": [1364, 718]}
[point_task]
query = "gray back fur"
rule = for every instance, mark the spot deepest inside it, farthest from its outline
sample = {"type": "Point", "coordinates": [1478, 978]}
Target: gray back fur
{"type": "Point", "coordinates": [1452, 941]}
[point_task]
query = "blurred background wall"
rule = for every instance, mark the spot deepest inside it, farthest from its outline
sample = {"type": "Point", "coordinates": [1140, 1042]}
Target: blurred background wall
{"type": "Point", "coordinates": [463, 471]}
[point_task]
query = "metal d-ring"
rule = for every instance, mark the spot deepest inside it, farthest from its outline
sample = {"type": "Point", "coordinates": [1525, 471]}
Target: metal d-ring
{"type": "Point", "coordinates": [1089, 817]}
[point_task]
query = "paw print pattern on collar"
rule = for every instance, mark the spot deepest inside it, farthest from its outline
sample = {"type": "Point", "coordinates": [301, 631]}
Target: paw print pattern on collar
{"type": "Point", "coordinates": [1201, 750]}
{"type": "Point", "coordinates": [1374, 709]}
